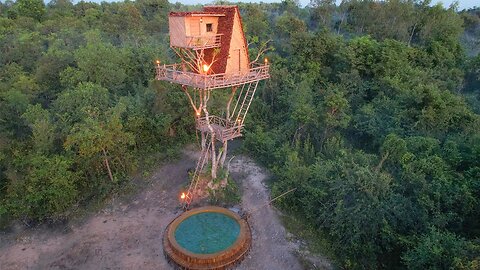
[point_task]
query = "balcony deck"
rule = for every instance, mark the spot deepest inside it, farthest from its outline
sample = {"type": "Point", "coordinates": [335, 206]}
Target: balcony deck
{"type": "Point", "coordinates": [203, 42]}
{"type": "Point", "coordinates": [224, 130]}
{"type": "Point", "coordinates": [174, 73]}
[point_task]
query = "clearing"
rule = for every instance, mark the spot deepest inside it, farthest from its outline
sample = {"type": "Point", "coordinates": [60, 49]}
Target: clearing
{"type": "Point", "coordinates": [127, 233]}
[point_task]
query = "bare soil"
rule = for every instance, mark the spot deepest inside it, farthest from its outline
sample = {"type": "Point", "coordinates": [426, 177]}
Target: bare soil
{"type": "Point", "coordinates": [127, 233]}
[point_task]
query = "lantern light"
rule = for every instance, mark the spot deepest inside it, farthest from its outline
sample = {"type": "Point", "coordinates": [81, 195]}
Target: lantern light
{"type": "Point", "coordinates": [266, 61]}
{"type": "Point", "coordinates": [182, 196]}
{"type": "Point", "coordinates": [198, 113]}
{"type": "Point", "coordinates": [158, 62]}
{"type": "Point", "coordinates": [205, 68]}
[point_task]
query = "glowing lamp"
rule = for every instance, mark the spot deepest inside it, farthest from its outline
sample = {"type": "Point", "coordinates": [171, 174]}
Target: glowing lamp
{"type": "Point", "coordinates": [205, 68]}
{"type": "Point", "coordinates": [182, 196]}
{"type": "Point", "coordinates": [198, 113]}
{"type": "Point", "coordinates": [266, 61]}
{"type": "Point", "coordinates": [158, 62]}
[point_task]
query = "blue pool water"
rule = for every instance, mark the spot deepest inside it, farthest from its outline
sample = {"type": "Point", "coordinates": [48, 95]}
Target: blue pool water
{"type": "Point", "coordinates": [207, 233]}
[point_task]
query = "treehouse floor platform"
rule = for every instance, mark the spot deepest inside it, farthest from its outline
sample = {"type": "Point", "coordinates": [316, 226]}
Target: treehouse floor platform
{"type": "Point", "coordinates": [223, 129]}
{"type": "Point", "coordinates": [176, 74]}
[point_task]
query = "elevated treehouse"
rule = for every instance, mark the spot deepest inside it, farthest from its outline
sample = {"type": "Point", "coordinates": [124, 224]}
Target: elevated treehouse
{"type": "Point", "coordinates": [214, 55]}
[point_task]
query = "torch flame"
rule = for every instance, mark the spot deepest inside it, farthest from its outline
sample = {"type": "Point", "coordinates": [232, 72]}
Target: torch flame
{"type": "Point", "coordinates": [183, 195]}
{"type": "Point", "coordinates": [266, 61]}
{"type": "Point", "coordinates": [158, 62]}
{"type": "Point", "coordinates": [205, 68]}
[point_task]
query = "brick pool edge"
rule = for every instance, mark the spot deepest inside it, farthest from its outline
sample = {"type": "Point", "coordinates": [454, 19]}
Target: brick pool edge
{"type": "Point", "coordinates": [224, 259]}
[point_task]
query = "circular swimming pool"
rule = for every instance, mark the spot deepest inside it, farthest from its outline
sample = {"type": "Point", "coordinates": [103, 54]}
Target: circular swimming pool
{"type": "Point", "coordinates": [207, 238]}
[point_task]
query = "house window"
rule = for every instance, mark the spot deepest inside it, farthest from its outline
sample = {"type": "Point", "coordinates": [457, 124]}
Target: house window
{"type": "Point", "coordinates": [209, 27]}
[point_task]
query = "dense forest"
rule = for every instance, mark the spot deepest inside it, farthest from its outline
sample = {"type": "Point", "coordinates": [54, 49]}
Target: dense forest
{"type": "Point", "coordinates": [372, 113]}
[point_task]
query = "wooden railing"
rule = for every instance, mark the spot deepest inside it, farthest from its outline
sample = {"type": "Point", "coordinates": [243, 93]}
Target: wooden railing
{"type": "Point", "coordinates": [224, 130]}
{"type": "Point", "coordinates": [203, 42]}
{"type": "Point", "coordinates": [175, 73]}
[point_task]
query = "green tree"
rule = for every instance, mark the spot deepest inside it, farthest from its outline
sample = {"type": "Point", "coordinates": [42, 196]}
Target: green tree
{"type": "Point", "coordinates": [31, 8]}
{"type": "Point", "coordinates": [102, 139]}
{"type": "Point", "coordinates": [43, 130]}
{"type": "Point", "coordinates": [98, 62]}
{"type": "Point", "coordinates": [76, 104]}
{"type": "Point", "coordinates": [48, 190]}
{"type": "Point", "coordinates": [334, 110]}
{"type": "Point", "coordinates": [322, 12]}
{"type": "Point", "coordinates": [442, 250]}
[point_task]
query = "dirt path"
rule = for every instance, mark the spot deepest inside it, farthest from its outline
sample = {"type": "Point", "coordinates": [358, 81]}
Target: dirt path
{"type": "Point", "coordinates": [127, 235]}
{"type": "Point", "coordinates": [270, 249]}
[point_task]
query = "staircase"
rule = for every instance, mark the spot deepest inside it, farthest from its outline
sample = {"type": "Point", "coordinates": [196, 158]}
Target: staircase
{"type": "Point", "coordinates": [204, 155]}
{"type": "Point", "coordinates": [246, 102]}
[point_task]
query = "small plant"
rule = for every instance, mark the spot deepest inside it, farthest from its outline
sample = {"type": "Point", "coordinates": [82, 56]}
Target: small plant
{"type": "Point", "coordinates": [223, 190]}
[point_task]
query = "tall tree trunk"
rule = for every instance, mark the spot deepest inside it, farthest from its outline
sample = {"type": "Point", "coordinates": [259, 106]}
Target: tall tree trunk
{"type": "Point", "coordinates": [380, 164]}
{"type": "Point", "coordinates": [214, 158]}
{"type": "Point", "coordinates": [224, 154]}
{"type": "Point", "coordinates": [107, 164]}
{"type": "Point", "coordinates": [203, 142]}
{"type": "Point", "coordinates": [324, 137]}
{"type": "Point", "coordinates": [411, 34]}
{"type": "Point", "coordinates": [340, 24]}
{"type": "Point", "coordinates": [212, 133]}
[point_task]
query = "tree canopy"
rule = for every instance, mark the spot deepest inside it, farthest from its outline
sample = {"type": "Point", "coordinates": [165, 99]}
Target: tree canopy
{"type": "Point", "coordinates": [371, 112]}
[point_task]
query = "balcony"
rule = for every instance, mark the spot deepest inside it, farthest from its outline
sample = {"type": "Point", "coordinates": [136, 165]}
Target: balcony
{"type": "Point", "coordinates": [224, 130]}
{"type": "Point", "coordinates": [174, 73]}
{"type": "Point", "coordinates": [203, 42]}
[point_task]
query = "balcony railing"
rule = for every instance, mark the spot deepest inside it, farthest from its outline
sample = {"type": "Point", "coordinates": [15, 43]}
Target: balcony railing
{"type": "Point", "coordinates": [174, 73]}
{"type": "Point", "coordinates": [203, 42]}
{"type": "Point", "coordinates": [224, 130]}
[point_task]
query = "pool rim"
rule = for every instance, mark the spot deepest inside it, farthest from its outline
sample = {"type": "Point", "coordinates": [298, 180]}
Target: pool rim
{"type": "Point", "coordinates": [244, 230]}
{"type": "Point", "coordinates": [217, 261]}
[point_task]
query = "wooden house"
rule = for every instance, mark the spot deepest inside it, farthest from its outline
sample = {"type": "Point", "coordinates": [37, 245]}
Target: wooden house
{"type": "Point", "coordinates": [217, 30]}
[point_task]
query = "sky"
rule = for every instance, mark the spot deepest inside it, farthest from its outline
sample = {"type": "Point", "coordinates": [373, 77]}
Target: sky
{"type": "Point", "coordinates": [463, 4]}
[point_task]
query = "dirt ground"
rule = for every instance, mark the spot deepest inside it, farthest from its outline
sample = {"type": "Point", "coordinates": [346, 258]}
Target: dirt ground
{"type": "Point", "coordinates": [127, 234]}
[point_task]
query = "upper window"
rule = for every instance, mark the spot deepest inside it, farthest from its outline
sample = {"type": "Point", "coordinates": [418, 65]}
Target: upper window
{"type": "Point", "coordinates": [209, 27]}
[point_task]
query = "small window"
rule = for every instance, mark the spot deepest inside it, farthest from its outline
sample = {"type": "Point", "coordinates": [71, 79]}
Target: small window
{"type": "Point", "coordinates": [209, 27]}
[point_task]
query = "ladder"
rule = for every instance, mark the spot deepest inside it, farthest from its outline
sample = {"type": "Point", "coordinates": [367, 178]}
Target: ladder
{"type": "Point", "coordinates": [198, 169]}
{"type": "Point", "coordinates": [246, 101]}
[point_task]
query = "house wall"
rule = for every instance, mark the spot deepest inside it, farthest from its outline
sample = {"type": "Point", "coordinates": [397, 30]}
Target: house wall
{"type": "Point", "coordinates": [177, 31]}
{"type": "Point", "coordinates": [192, 25]}
{"type": "Point", "coordinates": [238, 61]}
{"type": "Point", "coordinates": [197, 26]}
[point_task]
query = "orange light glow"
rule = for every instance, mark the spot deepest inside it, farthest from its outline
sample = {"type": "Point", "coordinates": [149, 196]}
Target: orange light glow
{"type": "Point", "coordinates": [205, 68]}
{"type": "Point", "coordinates": [198, 113]}
{"type": "Point", "coordinates": [158, 62]}
{"type": "Point", "coordinates": [183, 195]}
{"type": "Point", "coordinates": [266, 61]}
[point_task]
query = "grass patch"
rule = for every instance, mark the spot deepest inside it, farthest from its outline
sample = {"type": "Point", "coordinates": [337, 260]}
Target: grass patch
{"type": "Point", "coordinates": [226, 196]}
{"type": "Point", "coordinates": [315, 240]}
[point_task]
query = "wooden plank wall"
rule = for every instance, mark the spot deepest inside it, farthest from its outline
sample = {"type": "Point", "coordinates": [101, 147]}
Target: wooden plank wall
{"type": "Point", "coordinates": [238, 60]}
{"type": "Point", "coordinates": [177, 31]}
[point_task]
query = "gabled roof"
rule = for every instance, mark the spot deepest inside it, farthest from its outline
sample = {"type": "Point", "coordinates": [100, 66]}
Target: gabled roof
{"type": "Point", "coordinates": [195, 14]}
{"type": "Point", "coordinates": [225, 27]}
{"type": "Point", "coordinates": [226, 20]}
